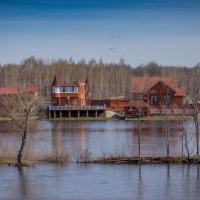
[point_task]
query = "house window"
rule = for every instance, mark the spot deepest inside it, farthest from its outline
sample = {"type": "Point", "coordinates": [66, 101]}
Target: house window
{"type": "Point", "coordinates": [154, 100]}
{"type": "Point", "coordinates": [56, 89]}
{"type": "Point", "coordinates": [166, 99]}
{"type": "Point", "coordinates": [70, 89]}
{"type": "Point", "coordinates": [75, 89]}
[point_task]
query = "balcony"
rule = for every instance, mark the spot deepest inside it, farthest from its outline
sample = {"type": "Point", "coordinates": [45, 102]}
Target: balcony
{"type": "Point", "coordinates": [72, 107]}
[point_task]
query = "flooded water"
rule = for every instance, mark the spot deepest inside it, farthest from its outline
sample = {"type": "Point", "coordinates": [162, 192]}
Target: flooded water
{"type": "Point", "coordinates": [97, 137]}
{"type": "Point", "coordinates": [100, 182]}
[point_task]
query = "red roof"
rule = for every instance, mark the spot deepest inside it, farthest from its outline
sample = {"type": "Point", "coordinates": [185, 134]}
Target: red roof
{"type": "Point", "coordinates": [143, 84]}
{"type": "Point", "coordinates": [56, 82]}
{"type": "Point", "coordinates": [7, 90]}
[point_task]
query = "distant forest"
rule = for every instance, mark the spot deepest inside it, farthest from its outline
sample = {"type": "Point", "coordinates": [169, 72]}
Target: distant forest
{"type": "Point", "coordinates": [105, 80]}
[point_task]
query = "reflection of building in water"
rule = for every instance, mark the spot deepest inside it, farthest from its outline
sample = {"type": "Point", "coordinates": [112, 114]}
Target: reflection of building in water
{"type": "Point", "coordinates": [153, 139]}
{"type": "Point", "coordinates": [67, 138]}
{"type": "Point", "coordinates": [57, 139]}
{"type": "Point", "coordinates": [83, 142]}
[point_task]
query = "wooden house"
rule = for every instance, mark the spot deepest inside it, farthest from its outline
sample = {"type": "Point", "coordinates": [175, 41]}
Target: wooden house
{"type": "Point", "coordinates": [158, 93]}
{"type": "Point", "coordinates": [73, 93]}
{"type": "Point", "coordinates": [117, 104]}
{"type": "Point", "coordinates": [72, 100]}
{"type": "Point", "coordinates": [135, 108]}
{"type": "Point", "coordinates": [15, 91]}
{"type": "Point", "coordinates": [12, 94]}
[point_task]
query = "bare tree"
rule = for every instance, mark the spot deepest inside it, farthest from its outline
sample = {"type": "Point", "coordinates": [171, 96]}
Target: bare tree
{"type": "Point", "coordinates": [139, 112]}
{"type": "Point", "coordinates": [194, 94]}
{"type": "Point", "coordinates": [166, 126]}
{"type": "Point", "coordinates": [21, 105]}
{"type": "Point", "coordinates": [167, 111]}
{"type": "Point", "coordinates": [139, 107]}
{"type": "Point", "coordinates": [183, 121]}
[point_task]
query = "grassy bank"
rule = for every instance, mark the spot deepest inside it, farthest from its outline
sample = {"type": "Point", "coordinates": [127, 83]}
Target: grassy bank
{"type": "Point", "coordinates": [149, 118]}
{"type": "Point", "coordinates": [10, 158]}
{"type": "Point", "coordinates": [154, 118]}
{"type": "Point", "coordinates": [63, 159]}
{"type": "Point", "coordinates": [82, 119]}
{"type": "Point", "coordinates": [146, 160]}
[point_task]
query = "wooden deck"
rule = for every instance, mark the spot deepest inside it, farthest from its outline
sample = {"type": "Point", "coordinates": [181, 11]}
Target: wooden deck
{"type": "Point", "coordinates": [67, 111]}
{"type": "Point", "coordinates": [66, 107]}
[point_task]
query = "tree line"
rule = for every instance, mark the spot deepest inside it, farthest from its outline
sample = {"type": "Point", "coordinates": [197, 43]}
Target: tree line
{"type": "Point", "coordinates": [104, 79]}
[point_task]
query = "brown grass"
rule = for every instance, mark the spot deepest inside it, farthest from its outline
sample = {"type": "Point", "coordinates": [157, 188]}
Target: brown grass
{"type": "Point", "coordinates": [82, 156]}
{"type": "Point", "coordinates": [9, 156]}
{"type": "Point", "coordinates": [146, 160]}
{"type": "Point", "coordinates": [60, 158]}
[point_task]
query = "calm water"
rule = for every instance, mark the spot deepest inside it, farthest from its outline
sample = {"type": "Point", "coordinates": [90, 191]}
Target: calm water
{"type": "Point", "coordinates": [101, 182]}
{"type": "Point", "coordinates": [97, 137]}
{"type": "Point", "coordinates": [98, 182]}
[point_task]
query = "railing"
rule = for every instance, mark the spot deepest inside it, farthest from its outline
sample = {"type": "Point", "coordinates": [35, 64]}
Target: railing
{"type": "Point", "coordinates": [67, 107]}
{"type": "Point", "coordinates": [162, 111]}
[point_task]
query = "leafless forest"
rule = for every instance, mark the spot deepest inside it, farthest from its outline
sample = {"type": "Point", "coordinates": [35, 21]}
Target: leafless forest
{"type": "Point", "coordinates": [105, 80]}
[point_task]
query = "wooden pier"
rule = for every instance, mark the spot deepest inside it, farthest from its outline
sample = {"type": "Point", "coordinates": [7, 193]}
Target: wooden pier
{"type": "Point", "coordinates": [71, 111]}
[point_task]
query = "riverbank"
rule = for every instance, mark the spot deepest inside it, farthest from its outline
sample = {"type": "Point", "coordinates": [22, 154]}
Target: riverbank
{"type": "Point", "coordinates": [10, 158]}
{"type": "Point", "coordinates": [146, 118]}
{"type": "Point", "coordinates": [63, 159]}
{"type": "Point", "coordinates": [80, 119]}
{"type": "Point", "coordinates": [157, 118]}
{"type": "Point", "coordinates": [146, 160]}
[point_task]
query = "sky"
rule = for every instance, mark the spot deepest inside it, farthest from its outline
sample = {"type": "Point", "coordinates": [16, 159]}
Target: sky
{"type": "Point", "coordinates": [139, 31]}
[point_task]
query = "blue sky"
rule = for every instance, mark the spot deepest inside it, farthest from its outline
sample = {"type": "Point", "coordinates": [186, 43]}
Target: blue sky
{"type": "Point", "coordinates": [140, 31]}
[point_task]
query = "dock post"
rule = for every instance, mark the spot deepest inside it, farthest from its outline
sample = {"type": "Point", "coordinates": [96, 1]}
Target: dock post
{"type": "Point", "coordinates": [60, 113]}
{"type": "Point", "coordinates": [87, 113]}
{"type": "Point", "coordinates": [54, 114]}
{"type": "Point", "coordinates": [69, 113]}
{"type": "Point", "coordinates": [78, 113]}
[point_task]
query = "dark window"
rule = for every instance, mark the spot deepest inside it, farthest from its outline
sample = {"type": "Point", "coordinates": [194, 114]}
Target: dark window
{"type": "Point", "coordinates": [166, 99]}
{"type": "Point", "coordinates": [154, 100]}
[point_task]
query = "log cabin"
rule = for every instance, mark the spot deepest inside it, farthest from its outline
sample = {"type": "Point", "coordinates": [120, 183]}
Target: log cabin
{"type": "Point", "coordinates": [156, 94]}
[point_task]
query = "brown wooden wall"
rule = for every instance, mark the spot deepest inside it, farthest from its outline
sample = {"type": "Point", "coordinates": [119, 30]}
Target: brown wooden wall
{"type": "Point", "coordinates": [160, 91]}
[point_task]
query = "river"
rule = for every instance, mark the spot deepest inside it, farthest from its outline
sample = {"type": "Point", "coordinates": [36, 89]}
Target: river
{"type": "Point", "coordinates": [98, 182]}
{"type": "Point", "coordinates": [97, 137]}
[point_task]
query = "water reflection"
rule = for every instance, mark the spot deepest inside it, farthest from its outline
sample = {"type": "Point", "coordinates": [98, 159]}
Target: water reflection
{"type": "Point", "coordinates": [23, 184]}
{"type": "Point", "coordinates": [57, 143]}
{"type": "Point", "coordinates": [100, 137]}
{"type": "Point", "coordinates": [152, 182]}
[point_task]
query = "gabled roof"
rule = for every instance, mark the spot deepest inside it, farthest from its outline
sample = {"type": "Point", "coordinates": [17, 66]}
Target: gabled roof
{"type": "Point", "coordinates": [7, 90]}
{"type": "Point", "coordinates": [144, 84]}
{"type": "Point", "coordinates": [86, 80]}
{"type": "Point", "coordinates": [56, 82]}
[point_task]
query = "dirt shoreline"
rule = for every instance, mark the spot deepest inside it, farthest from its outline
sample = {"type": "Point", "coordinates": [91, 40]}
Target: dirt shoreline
{"type": "Point", "coordinates": [113, 160]}
{"type": "Point", "coordinates": [146, 160]}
